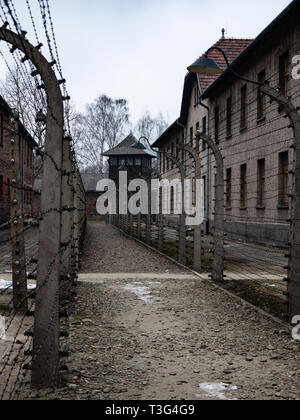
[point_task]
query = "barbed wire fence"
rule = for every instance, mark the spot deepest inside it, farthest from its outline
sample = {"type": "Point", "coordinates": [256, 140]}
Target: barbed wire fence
{"type": "Point", "coordinates": [36, 304]}
{"type": "Point", "coordinates": [262, 273]}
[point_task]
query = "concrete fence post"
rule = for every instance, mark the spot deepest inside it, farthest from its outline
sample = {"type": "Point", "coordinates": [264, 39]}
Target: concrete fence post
{"type": "Point", "coordinates": [67, 221]}
{"type": "Point", "coordinates": [19, 277]}
{"type": "Point", "coordinates": [45, 362]}
{"type": "Point", "coordinates": [219, 216]}
{"type": "Point", "coordinates": [293, 277]}
{"type": "Point", "coordinates": [197, 257]}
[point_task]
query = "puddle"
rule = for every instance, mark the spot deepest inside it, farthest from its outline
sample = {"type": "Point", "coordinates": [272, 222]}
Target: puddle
{"type": "Point", "coordinates": [5, 285]}
{"type": "Point", "coordinates": [217, 390]}
{"type": "Point", "coordinates": [153, 282]}
{"type": "Point", "coordinates": [142, 292]}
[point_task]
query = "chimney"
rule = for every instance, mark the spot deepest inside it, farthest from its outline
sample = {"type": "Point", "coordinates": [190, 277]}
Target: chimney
{"type": "Point", "coordinates": [223, 33]}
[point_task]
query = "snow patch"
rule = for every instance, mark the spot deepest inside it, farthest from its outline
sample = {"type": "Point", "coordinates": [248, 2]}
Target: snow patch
{"type": "Point", "coordinates": [5, 285]}
{"type": "Point", "coordinates": [217, 390]}
{"type": "Point", "coordinates": [142, 292]}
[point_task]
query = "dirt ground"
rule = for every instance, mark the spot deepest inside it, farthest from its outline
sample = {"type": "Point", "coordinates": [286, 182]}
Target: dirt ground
{"type": "Point", "coordinates": [144, 329]}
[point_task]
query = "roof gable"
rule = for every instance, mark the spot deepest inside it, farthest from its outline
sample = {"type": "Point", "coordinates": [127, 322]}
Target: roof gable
{"type": "Point", "coordinates": [125, 149]}
{"type": "Point", "coordinates": [273, 33]}
{"type": "Point", "coordinates": [232, 48]}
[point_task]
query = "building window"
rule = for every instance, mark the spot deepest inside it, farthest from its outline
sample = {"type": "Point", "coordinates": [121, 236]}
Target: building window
{"type": "Point", "coordinates": [172, 153]}
{"type": "Point", "coordinates": [122, 162]}
{"type": "Point", "coordinates": [204, 191]}
{"type": "Point", "coordinates": [261, 99]}
{"type": "Point", "coordinates": [261, 187]}
{"type": "Point", "coordinates": [284, 179]}
{"type": "Point", "coordinates": [197, 141]}
{"type": "Point", "coordinates": [196, 95]}
{"type": "Point", "coordinates": [1, 130]}
{"type": "Point", "coordinates": [228, 187]}
{"type": "Point", "coordinates": [217, 124]}
{"type": "Point", "coordinates": [229, 117]}
{"type": "Point", "coordinates": [284, 73]}
{"type": "Point", "coordinates": [244, 110]}
{"type": "Point", "coordinates": [160, 162]}
{"type": "Point", "coordinates": [138, 162]}
{"type": "Point", "coordinates": [172, 207]}
{"type": "Point", "coordinates": [130, 162]}
{"type": "Point", "coordinates": [183, 151]}
{"type": "Point", "coordinates": [8, 189]}
{"type": "Point", "coordinates": [192, 136]}
{"type": "Point", "coordinates": [168, 159]}
{"type": "Point", "coordinates": [243, 200]}
{"type": "Point", "coordinates": [114, 162]}
{"type": "Point", "coordinates": [1, 187]}
{"type": "Point", "coordinates": [204, 131]}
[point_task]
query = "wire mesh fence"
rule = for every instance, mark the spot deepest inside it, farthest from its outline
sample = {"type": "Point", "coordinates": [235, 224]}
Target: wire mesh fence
{"type": "Point", "coordinates": [40, 247]}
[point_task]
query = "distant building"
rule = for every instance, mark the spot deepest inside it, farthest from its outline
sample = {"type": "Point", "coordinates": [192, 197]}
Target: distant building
{"type": "Point", "coordinates": [131, 156]}
{"type": "Point", "coordinates": [27, 146]}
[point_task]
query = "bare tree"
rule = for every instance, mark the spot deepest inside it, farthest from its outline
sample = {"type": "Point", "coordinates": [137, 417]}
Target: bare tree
{"type": "Point", "coordinates": [150, 127]}
{"type": "Point", "coordinates": [27, 100]}
{"type": "Point", "coordinates": [101, 126]}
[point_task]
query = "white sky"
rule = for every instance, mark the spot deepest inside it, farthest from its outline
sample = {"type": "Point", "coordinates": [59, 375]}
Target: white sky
{"type": "Point", "coordinates": [140, 49]}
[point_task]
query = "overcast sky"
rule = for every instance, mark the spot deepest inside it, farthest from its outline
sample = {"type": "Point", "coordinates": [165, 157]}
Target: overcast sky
{"type": "Point", "coordinates": [140, 49]}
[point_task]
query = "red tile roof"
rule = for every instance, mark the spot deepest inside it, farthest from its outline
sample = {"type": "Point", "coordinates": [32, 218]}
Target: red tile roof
{"type": "Point", "coordinates": [232, 48]}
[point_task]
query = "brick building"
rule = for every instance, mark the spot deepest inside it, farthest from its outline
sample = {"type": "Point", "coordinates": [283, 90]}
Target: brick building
{"type": "Point", "coordinates": [90, 181]}
{"type": "Point", "coordinates": [252, 132]}
{"type": "Point", "coordinates": [27, 146]}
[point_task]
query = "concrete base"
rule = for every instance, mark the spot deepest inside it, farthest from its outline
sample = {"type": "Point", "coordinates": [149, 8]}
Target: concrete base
{"type": "Point", "coordinates": [273, 234]}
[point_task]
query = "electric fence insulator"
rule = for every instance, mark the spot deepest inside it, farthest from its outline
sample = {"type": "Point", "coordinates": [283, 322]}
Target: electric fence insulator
{"type": "Point", "coordinates": [13, 49]}
{"type": "Point", "coordinates": [35, 73]}
{"type": "Point", "coordinates": [64, 354]}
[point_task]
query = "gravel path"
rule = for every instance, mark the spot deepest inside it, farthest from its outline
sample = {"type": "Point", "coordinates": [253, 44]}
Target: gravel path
{"type": "Point", "coordinates": [108, 251]}
{"type": "Point", "coordinates": [174, 337]}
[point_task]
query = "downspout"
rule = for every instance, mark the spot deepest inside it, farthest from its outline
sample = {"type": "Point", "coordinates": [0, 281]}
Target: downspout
{"type": "Point", "coordinates": [207, 155]}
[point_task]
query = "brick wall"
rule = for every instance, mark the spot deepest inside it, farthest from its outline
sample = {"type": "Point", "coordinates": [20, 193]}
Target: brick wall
{"type": "Point", "coordinates": [263, 138]}
{"type": "Point", "coordinates": [91, 211]}
{"type": "Point", "coordinates": [26, 165]}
